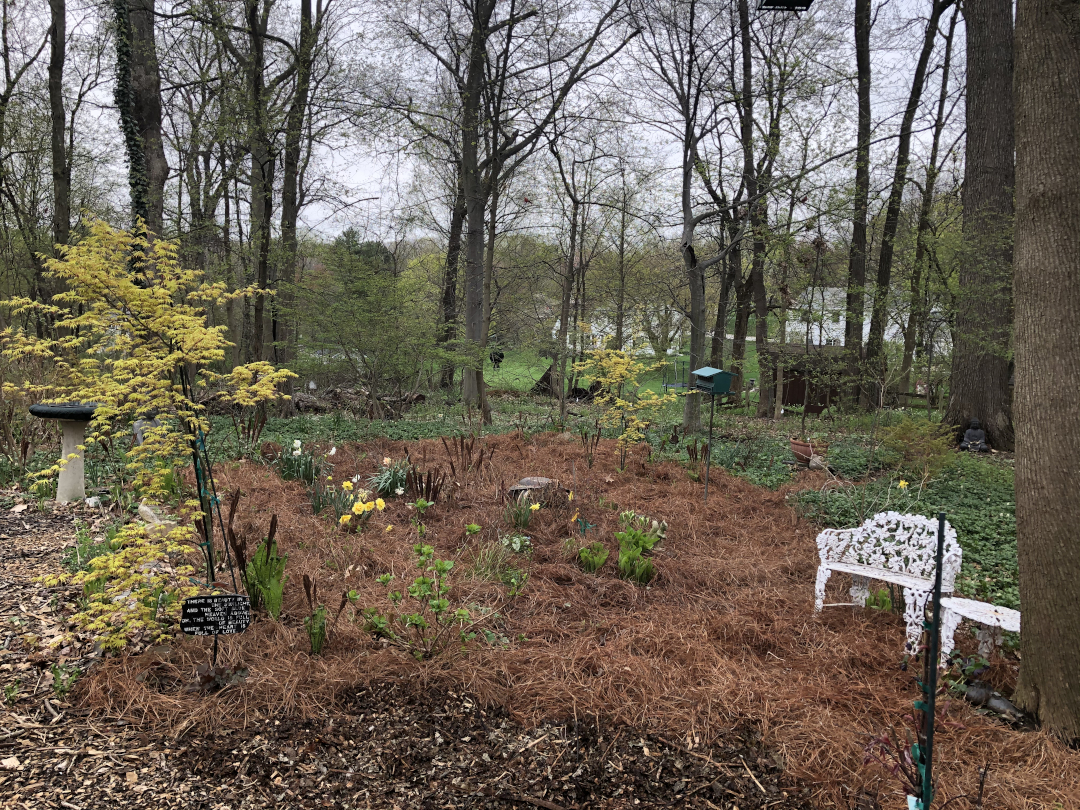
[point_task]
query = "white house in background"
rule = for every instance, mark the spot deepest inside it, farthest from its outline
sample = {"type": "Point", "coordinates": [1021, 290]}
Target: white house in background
{"type": "Point", "coordinates": [602, 328]}
{"type": "Point", "coordinates": [822, 309]}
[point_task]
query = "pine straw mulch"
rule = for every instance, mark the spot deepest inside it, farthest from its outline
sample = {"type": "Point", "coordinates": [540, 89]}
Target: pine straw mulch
{"type": "Point", "coordinates": [721, 654]}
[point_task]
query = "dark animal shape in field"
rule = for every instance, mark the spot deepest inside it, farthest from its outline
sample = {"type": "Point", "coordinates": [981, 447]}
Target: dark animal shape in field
{"type": "Point", "coordinates": [585, 394]}
{"type": "Point", "coordinates": [497, 357]}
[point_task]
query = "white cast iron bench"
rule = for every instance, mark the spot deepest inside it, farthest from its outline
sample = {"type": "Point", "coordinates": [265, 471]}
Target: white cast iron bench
{"type": "Point", "coordinates": [992, 620]}
{"type": "Point", "coordinates": [889, 547]}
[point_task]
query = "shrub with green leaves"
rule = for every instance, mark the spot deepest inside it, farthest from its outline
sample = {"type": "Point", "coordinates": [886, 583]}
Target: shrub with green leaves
{"type": "Point", "coordinates": [432, 625]}
{"type": "Point", "coordinates": [924, 447]}
{"type": "Point", "coordinates": [593, 556]}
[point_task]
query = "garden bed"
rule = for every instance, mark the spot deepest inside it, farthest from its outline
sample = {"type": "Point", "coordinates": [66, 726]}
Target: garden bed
{"type": "Point", "coordinates": [720, 657]}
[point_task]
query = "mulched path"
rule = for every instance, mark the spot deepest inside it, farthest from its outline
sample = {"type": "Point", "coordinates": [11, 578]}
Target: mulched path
{"type": "Point", "coordinates": [385, 746]}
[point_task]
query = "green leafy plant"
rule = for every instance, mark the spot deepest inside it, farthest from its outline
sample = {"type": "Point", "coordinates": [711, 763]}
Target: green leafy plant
{"type": "Point", "coordinates": [593, 556]}
{"type": "Point", "coordinates": [315, 623]}
{"type": "Point", "coordinates": [64, 677]}
{"type": "Point", "coordinates": [519, 511]}
{"type": "Point", "coordinates": [636, 541]}
{"type": "Point", "coordinates": [265, 577]}
{"type": "Point", "coordinates": [924, 447]}
{"type": "Point", "coordinates": [431, 624]}
{"type": "Point", "coordinates": [11, 691]}
{"type": "Point", "coordinates": [301, 465]}
{"type": "Point", "coordinates": [881, 600]}
{"type": "Point", "coordinates": [391, 478]}
{"type": "Point", "coordinates": [517, 543]}
{"type": "Point", "coordinates": [472, 528]}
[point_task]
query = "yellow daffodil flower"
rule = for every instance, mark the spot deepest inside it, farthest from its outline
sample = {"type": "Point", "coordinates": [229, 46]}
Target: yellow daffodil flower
{"type": "Point", "coordinates": [389, 527]}
{"type": "Point", "coordinates": [358, 508]}
{"type": "Point", "coordinates": [534, 507]}
{"type": "Point", "coordinates": [902, 484]}
{"type": "Point", "coordinates": [345, 519]}
{"type": "Point", "coordinates": [386, 462]}
{"type": "Point", "coordinates": [380, 504]}
{"type": "Point", "coordinates": [346, 485]}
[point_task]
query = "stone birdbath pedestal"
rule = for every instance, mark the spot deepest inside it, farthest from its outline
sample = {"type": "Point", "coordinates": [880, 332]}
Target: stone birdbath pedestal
{"type": "Point", "coordinates": [73, 417]}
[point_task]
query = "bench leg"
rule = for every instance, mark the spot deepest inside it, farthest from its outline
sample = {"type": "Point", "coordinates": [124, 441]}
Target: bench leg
{"type": "Point", "coordinates": [860, 590]}
{"type": "Point", "coordinates": [949, 622]}
{"type": "Point", "coordinates": [823, 575]}
{"type": "Point", "coordinates": [914, 610]}
{"type": "Point", "coordinates": [989, 638]}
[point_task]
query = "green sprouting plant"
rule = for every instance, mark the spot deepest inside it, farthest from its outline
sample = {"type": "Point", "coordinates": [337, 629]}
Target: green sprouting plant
{"type": "Point", "coordinates": [315, 623]}
{"type": "Point", "coordinates": [11, 691]}
{"type": "Point", "coordinates": [593, 556]}
{"type": "Point", "coordinates": [265, 575]}
{"type": "Point", "coordinates": [301, 465]}
{"type": "Point", "coordinates": [880, 600]}
{"type": "Point", "coordinates": [64, 677]}
{"type": "Point", "coordinates": [517, 543]}
{"type": "Point", "coordinates": [391, 479]}
{"type": "Point", "coordinates": [631, 520]}
{"type": "Point", "coordinates": [589, 441]}
{"type": "Point", "coordinates": [472, 528]}
{"type": "Point", "coordinates": [963, 671]}
{"type": "Point", "coordinates": [87, 548]}
{"type": "Point", "coordinates": [519, 511]}
{"type": "Point", "coordinates": [640, 534]}
{"type": "Point", "coordinates": [431, 625]}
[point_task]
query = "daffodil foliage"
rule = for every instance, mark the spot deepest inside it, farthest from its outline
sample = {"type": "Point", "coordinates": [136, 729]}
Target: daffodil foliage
{"type": "Point", "coordinates": [626, 403]}
{"type": "Point", "coordinates": [129, 332]}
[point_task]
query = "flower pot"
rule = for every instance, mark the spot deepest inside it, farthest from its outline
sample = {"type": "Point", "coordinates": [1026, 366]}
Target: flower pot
{"type": "Point", "coordinates": [803, 450]}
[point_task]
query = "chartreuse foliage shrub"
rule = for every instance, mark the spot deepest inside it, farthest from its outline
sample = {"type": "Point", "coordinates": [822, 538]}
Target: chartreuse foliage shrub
{"type": "Point", "coordinates": [132, 594]}
{"type": "Point", "coordinates": [626, 403]}
{"type": "Point", "coordinates": [129, 332]}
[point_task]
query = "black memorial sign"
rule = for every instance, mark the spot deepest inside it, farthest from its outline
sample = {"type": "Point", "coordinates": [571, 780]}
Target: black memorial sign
{"type": "Point", "coordinates": [215, 615]}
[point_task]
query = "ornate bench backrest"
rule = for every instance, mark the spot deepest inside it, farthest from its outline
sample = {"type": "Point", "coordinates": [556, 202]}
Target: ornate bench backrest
{"type": "Point", "coordinates": [900, 543]}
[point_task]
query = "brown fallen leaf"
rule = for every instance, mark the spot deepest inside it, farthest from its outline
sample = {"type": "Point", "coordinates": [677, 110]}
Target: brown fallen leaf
{"type": "Point", "coordinates": [19, 507]}
{"type": "Point", "coordinates": [10, 763]}
{"type": "Point", "coordinates": [132, 777]}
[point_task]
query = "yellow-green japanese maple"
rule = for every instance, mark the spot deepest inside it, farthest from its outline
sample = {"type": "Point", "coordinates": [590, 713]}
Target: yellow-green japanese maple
{"type": "Point", "coordinates": [129, 331]}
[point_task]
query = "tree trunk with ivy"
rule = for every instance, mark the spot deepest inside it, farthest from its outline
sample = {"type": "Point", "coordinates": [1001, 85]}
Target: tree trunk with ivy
{"type": "Point", "coordinates": [1046, 287]}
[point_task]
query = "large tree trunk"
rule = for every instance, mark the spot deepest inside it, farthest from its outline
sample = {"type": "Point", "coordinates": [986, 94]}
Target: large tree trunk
{"type": "Point", "coordinates": [146, 89]}
{"type": "Point", "coordinates": [856, 282]}
{"type": "Point", "coordinates": [875, 344]}
{"type": "Point", "coordinates": [262, 174]}
{"type": "Point", "coordinates": [476, 194]}
{"type": "Point", "coordinates": [61, 218]}
{"type": "Point", "coordinates": [979, 384]}
{"type": "Point", "coordinates": [743, 301]}
{"type": "Point", "coordinates": [1047, 295]}
{"type": "Point", "coordinates": [284, 340]}
{"type": "Point", "coordinates": [448, 326]}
